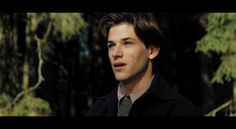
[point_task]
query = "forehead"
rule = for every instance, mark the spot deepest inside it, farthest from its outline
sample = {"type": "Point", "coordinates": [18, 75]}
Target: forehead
{"type": "Point", "coordinates": [122, 30]}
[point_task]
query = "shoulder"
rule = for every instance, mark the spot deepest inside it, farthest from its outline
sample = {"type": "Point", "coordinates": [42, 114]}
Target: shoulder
{"type": "Point", "coordinates": [104, 105]}
{"type": "Point", "coordinates": [98, 107]}
{"type": "Point", "coordinates": [184, 107]}
{"type": "Point", "coordinates": [179, 105]}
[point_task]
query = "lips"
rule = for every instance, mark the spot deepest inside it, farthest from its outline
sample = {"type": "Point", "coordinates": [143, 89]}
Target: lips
{"type": "Point", "coordinates": [119, 65]}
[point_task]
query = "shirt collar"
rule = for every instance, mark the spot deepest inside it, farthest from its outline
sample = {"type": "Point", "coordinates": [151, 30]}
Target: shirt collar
{"type": "Point", "coordinates": [134, 96]}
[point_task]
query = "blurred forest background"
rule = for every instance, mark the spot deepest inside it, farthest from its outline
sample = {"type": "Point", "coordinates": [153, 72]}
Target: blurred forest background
{"type": "Point", "coordinates": [55, 64]}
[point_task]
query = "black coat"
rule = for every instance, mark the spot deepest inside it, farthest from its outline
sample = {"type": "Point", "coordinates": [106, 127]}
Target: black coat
{"type": "Point", "coordinates": [158, 100]}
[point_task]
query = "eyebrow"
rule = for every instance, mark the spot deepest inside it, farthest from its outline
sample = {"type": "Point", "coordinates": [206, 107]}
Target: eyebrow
{"type": "Point", "coordinates": [124, 39]}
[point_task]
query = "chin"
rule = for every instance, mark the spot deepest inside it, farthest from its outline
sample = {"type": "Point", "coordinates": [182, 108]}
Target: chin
{"type": "Point", "coordinates": [121, 78]}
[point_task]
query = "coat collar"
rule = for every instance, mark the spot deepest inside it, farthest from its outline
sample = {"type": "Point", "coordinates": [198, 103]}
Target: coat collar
{"type": "Point", "coordinates": [111, 100]}
{"type": "Point", "coordinates": [159, 87]}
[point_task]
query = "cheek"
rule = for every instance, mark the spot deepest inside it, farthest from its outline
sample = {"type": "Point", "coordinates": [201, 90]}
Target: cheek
{"type": "Point", "coordinates": [109, 56]}
{"type": "Point", "coordinates": [140, 58]}
{"type": "Point", "coordinates": [143, 59]}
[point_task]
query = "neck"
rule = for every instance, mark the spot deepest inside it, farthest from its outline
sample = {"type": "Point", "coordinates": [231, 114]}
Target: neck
{"type": "Point", "coordinates": [137, 82]}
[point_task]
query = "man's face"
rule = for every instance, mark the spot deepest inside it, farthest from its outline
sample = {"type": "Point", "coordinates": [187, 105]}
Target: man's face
{"type": "Point", "coordinates": [128, 55]}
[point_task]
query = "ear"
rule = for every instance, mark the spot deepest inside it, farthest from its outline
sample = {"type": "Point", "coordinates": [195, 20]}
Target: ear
{"type": "Point", "coordinates": [153, 51]}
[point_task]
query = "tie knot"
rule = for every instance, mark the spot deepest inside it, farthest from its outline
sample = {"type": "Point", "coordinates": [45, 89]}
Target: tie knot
{"type": "Point", "coordinates": [127, 97]}
{"type": "Point", "coordinates": [125, 106]}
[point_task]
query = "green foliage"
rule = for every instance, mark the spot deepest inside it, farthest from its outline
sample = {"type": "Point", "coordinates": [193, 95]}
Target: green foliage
{"type": "Point", "coordinates": [65, 25]}
{"type": "Point", "coordinates": [221, 30]}
{"type": "Point", "coordinates": [5, 100]}
{"type": "Point", "coordinates": [221, 39]}
{"type": "Point", "coordinates": [46, 27]}
{"type": "Point", "coordinates": [27, 106]}
{"type": "Point", "coordinates": [226, 70]}
{"type": "Point", "coordinates": [30, 106]}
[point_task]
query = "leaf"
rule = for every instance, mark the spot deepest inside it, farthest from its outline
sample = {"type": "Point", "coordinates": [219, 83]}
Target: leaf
{"type": "Point", "coordinates": [221, 39]}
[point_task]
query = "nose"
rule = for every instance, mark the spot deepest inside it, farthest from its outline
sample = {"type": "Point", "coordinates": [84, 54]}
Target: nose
{"type": "Point", "coordinates": [117, 52]}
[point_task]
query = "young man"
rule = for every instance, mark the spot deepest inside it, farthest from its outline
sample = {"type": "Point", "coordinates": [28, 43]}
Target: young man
{"type": "Point", "coordinates": [133, 41]}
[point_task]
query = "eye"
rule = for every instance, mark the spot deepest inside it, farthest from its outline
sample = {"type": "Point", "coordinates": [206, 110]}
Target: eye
{"type": "Point", "coordinates": [127, 43]}
{"type": "Point", "coordinates": [110, 45]}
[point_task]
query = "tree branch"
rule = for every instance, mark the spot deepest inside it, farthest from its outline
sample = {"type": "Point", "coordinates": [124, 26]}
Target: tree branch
{"type": "Point", "coordinates": [40, 77]}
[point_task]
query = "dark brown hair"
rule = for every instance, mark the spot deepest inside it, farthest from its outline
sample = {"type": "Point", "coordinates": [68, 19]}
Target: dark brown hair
{"type": "Point", "coordinates": [145, 26]}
